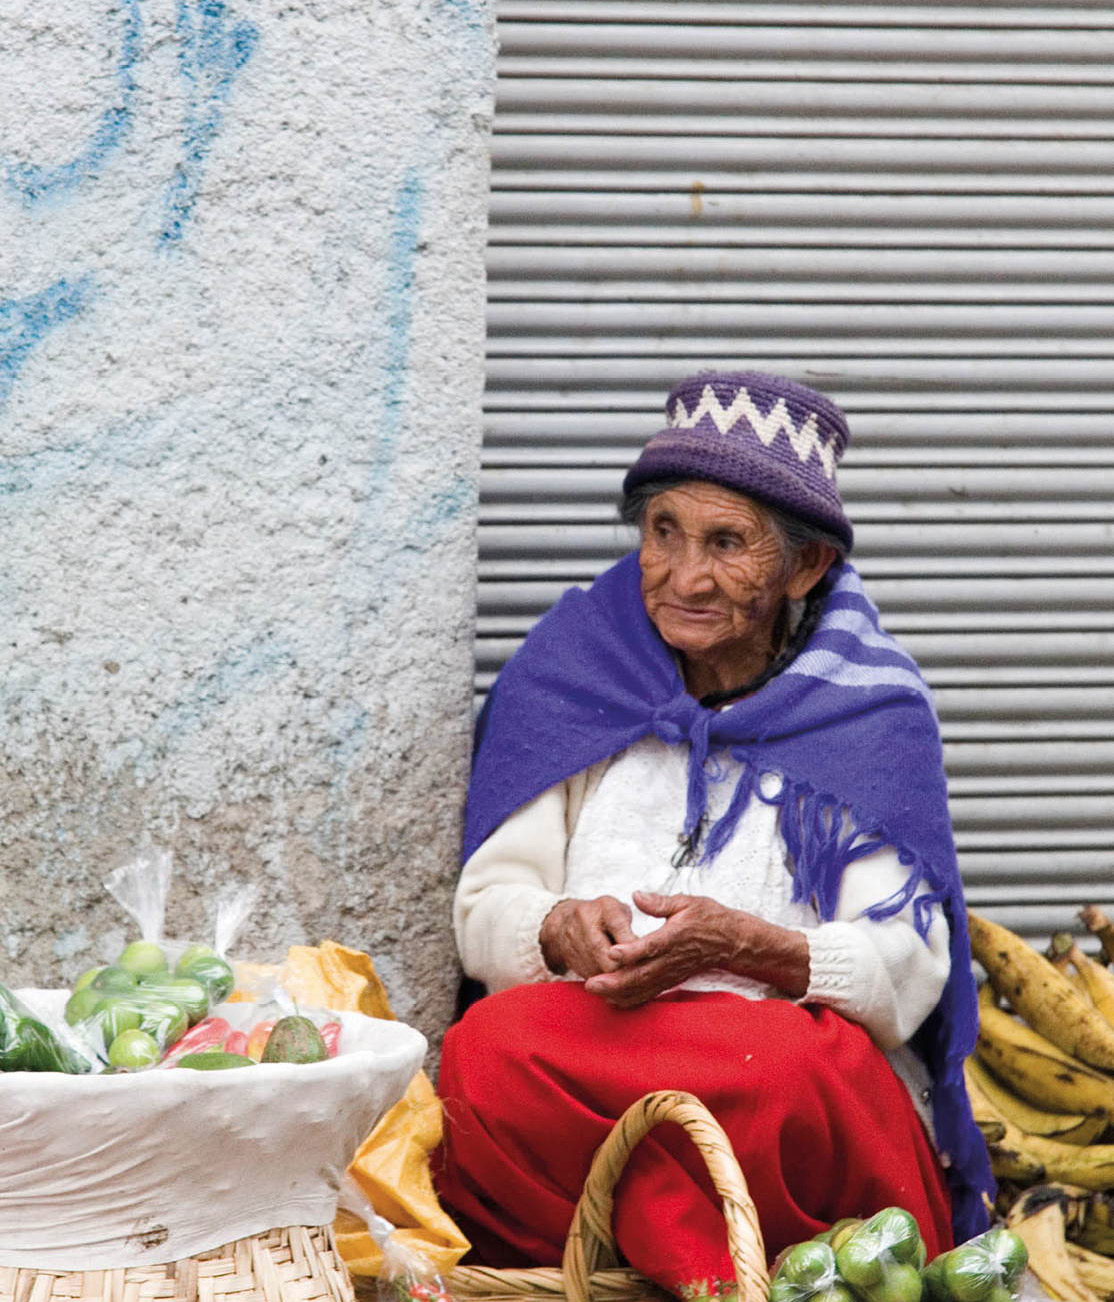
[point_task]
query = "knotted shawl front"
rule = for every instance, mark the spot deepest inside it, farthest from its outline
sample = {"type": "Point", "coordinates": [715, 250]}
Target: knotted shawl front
{"type": "Point", "coordinates": [850, 726]}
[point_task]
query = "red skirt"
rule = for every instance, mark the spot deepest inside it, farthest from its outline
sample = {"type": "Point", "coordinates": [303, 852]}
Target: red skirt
{"type": "Point", "coordinates": [533, 1078]}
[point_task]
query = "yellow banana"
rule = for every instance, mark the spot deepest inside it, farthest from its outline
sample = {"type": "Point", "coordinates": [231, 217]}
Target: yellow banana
{"type": "Point", "coordinates": [1096, 1224]}
{"type": "Point", "coordinates": [1088, 1216]}
{"type": "Point", "coordinates": [1038, 1070]}
{"type": "Point", "coordinates": [1059, 954]}
{"type": "Point", "coordinates": [1027, 1159]}
{"type": "Point", "coordinates": [1043, 1233]}
{"type": "Point", "coordinates": [1067, 1127]}
{"type": "Point", "coordinates": [1045, 998]}
{"type": "Point", "coordinates": [1098, 980]}
{"type": "Point", "coordinates": [1095, 1270]}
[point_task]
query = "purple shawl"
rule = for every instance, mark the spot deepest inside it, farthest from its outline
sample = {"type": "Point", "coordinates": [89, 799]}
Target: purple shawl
{"type": "Point", "coordinates": [850, 725]}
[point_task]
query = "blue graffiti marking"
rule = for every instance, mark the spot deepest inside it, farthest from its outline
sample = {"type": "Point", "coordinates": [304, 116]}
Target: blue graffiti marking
{"type": "Point", "coordinates": [33, 182]}
{"type": "Point", "coordinates": [213, 50]}
{"type": "Point", "coordinates": [25, 321]}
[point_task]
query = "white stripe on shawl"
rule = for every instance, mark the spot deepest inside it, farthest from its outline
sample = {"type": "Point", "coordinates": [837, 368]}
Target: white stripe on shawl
{"type": "Point", "coordinates": [841, 672]}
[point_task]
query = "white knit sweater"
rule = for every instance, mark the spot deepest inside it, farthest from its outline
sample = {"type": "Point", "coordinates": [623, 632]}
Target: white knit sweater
{"type": "Point", "coordinates": [613, 829]}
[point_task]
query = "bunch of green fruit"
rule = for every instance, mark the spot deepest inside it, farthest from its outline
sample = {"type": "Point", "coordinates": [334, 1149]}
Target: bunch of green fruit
{"type": "Point", "coordinates": [984, 1269]}
{"type": "Point", "coordinates": [28, 1044]}
{"type": "Point", "coordinates": [876, 1260]}
{"type": "Point", "coordinates": [138, 1007]}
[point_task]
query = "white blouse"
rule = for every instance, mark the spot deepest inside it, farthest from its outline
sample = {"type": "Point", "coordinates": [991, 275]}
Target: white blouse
{"type": "Point", "coordinates": [614, 829]}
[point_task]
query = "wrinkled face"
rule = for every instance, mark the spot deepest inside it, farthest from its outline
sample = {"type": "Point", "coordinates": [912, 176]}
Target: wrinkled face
{"type": "Point", "coordinates": [714, 575]}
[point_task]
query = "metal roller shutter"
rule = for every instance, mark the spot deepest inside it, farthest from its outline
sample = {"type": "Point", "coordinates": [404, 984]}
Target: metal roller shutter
{"type": "Point", "coordinates": [909, 206]}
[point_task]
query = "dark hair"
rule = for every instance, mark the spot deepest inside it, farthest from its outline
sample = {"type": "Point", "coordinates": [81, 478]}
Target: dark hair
{"type": "Point", "coordinates": [795, 532]}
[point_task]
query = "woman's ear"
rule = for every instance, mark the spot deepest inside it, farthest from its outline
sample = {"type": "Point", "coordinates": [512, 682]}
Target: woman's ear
{"type": "Point", "coordinates": [812, 562]}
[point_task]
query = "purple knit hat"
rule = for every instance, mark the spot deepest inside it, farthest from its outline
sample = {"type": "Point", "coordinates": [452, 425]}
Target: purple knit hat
{"type": "Point", "coordinates": [762, 435]}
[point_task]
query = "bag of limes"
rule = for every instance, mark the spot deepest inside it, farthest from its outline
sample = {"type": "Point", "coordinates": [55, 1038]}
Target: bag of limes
{"type": "Point", "coordinates": [876, 1260]}
{"type": "Point", "coordinates": [134, 1009]}
{"type": "Point", "coordinates": [984, 1269]}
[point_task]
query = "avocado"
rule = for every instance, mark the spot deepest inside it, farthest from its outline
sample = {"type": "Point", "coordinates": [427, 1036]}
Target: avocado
{"type": "Point", "coordinates": [295, 1039]}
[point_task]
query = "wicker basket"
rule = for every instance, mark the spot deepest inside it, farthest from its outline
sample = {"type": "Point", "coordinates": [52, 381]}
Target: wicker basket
{"type": "Point", "coordinates": [590, 1270]}
{"type": "Point", "coordinates": [295, 1264]}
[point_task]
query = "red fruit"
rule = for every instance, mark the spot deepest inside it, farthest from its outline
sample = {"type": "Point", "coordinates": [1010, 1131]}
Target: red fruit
{"type": "Point", "coordinates": [237, 1042]}
{"type": "Point", "coordinates": [330, 1033]}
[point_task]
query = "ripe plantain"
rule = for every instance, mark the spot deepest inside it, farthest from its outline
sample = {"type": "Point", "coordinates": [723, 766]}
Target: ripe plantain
{"type": "Point", "coordinates": [1098, 980]}
{"type": "Point", "coordinates": [1043, 1233]}
{"type": "Point", "coordinates": [1067, 1127]}
{"type": "Point", "coordinates": [1028, 1159]}
{"type": "Point", "coordinates": [1036, 1069]}
{"type": "Point", "coordinates": [1045, 998]}
{"type": "Point", "coordinates": [1088, 1216]}
{"type": "Point", "coordinates": [1095, 1270]}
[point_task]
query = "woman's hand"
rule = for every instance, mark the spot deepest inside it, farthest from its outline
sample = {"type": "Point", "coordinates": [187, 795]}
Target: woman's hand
{"type": "Point", "coordinates": [579, 935]}
{"type": "Point", "coordinates": [698, 935]}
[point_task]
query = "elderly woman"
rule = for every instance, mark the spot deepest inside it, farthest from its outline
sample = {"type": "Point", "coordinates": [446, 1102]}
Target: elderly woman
{"type": "Point", "coordinates": [708, 848]}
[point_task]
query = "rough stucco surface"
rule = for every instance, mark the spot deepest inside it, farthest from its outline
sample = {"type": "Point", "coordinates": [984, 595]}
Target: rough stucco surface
{"type": "Point", "coordinates": [241, 324]}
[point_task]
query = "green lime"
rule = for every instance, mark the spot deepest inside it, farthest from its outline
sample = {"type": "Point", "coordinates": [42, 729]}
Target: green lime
{"type": "Point", "coordinates": [781, 1290]}
{"type": "Point", "coordinates": [82, 1004]}
{"type": "Point", "coordinates": [211, 970]}
{"type": "Point", "coordinates": [133, 1049]}
{"type": "Point", "coordinates": [164, 1020]}
{"type": "Point", "coordinates": [142, 958]}
{"type": "Point", "coordinates": [808, 1264]}
{"type": "Point", "coordinates": [113, 978]}
{"type": "Point", "coordinates": [969, 1273]}
{"type": "Point", "coordinates": [835, 1292]}
{"type": "Point", "coordinates": [842, 1230]}
{"type": "Point", "coordinates": [859, 1260]}
{"type": "Point", "coordinates": [932, 1277]}
{"type": "Point", "coordinates": [898, 1232]}
{"type": "Point", "coordinates": [183, 991]}
{"type": "Point", "coordinates": [1009, 1251]}
{"type": "Point", "coordinates": [900, 1283]}
{"type": "Point", "coordinates": [86, 977]}
{"type": "Point", "coordinates": [118, 1013]}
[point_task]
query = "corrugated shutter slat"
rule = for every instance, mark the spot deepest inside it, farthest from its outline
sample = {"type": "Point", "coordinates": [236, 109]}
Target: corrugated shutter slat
{"type": "Point", "coordinates": [907, 206]}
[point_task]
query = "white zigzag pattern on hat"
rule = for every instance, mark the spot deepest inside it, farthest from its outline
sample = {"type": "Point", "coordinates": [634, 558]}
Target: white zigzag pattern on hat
{"type": "Point", "coordinates": [804, 440]}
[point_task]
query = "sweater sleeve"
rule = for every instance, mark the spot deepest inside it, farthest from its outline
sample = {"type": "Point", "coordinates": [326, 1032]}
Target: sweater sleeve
{"type": "Point", "coordinates": [505, 890]}
{"type": "Point", "coordinates": [878, 973]}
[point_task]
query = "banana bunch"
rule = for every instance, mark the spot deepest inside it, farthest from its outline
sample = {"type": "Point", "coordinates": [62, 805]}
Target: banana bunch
{"type": "Point", "coordinates": [1054, 1221]}
{"type": "Point", "coordinates": [1041, 1082]}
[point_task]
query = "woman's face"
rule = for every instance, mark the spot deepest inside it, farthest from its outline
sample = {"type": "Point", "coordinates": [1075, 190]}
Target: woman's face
{"type": "Point", "coordinates": [715, 576]}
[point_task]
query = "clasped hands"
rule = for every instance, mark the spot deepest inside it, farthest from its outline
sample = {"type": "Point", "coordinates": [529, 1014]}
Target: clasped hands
{"type": "Point", "coordinates": [593, 938]}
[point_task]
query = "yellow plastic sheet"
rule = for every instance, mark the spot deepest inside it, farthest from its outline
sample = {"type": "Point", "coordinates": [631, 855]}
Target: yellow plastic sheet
{"type": "Point", "coordinates": [392, 1164]}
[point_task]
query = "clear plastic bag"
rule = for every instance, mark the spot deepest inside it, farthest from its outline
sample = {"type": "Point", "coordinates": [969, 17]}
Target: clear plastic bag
{"type": "Point", "coordinates": [132, 1011]}
{"type": "Point", "coordinates": [875, 1260]}
{"type": "Point", "coordinates": [30, 1041]}
{"type": "Point", "coordinates": [988, 1268]}
{"type": "Point", "coordinates": [407, 1275]}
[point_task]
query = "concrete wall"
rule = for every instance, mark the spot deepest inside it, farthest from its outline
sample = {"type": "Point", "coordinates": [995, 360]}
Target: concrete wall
{"type": "Point", "coordinates": [241, 326]}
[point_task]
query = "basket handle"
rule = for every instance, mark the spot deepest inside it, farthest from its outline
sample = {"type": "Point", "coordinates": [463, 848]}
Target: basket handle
{"type": "Point", "coordinates": [591, 1245]}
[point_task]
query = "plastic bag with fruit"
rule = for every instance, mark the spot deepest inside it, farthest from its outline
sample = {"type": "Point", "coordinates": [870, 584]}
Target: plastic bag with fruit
{"type": "Point", "coordinates": [132, 1010]}
{"type": "Point", "coordinates": [30, 1041]}
{"type": "Point", "coordinates": [988, 1268]}
{"type": "Point", "coordinates": [407, 1274]}
{"type": "Point", "coordinates": [876, 1260]}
